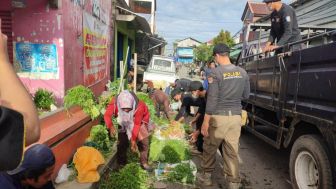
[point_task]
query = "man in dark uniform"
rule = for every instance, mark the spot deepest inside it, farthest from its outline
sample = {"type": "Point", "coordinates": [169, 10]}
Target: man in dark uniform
{"type": "Point", "coordinates": [228, 85]}
{"type": "Point", "coordinates": [189, 100]}
{"type": "Point", "coordinates": [284, 28]}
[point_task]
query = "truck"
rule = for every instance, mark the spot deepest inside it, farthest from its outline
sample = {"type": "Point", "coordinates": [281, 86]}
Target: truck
{"type": "Point", "coordinates": [161, 71]}
{"type": "Point", "coordinates": [293, 104]}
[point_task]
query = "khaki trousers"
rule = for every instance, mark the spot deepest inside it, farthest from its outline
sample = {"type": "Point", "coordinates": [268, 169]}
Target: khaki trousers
{"type": "Point", "coordinates": [226, 130]}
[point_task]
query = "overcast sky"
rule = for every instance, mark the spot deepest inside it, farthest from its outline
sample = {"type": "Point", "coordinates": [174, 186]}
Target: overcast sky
{"type": "Point", "coordinates": [199, 19]}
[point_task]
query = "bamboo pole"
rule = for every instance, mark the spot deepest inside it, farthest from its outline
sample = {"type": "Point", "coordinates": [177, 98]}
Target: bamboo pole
{"type": "Point", "coordinates": [135, 66]}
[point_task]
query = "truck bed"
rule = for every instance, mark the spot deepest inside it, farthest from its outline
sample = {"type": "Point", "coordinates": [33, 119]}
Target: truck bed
{"type": "Point", "coordinates": [309, 82]}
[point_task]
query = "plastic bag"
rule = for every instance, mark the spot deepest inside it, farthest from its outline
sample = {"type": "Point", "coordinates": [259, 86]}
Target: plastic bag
{"type": "Point", "coordinates": [63, 174]}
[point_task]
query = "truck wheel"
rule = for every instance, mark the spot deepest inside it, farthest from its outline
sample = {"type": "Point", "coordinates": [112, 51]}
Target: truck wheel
{"type": "Point", "coordinates": [309, 164]}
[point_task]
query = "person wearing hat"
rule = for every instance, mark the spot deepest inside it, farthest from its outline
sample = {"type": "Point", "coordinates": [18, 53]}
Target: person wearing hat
{"type": "Point", "coordinates": [182, 84]}
{"type": "Point", "coordinates": [34, 172]}
{"type": "Point", "coordinates": [133, 117]}
{"type": "Point", "coordinates": [18, 114]}
{"type": "Point", "coordinates": [284, 27]}
{"type": "Point", "coordinates": [198, 94]}
{"type": "Point", "coordinates": [228, 85]}
{"type": "Point", "coordinates": [187, 100]}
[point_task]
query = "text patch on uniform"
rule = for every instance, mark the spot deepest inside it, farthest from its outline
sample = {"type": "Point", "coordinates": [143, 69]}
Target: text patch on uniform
{"type": "Point", "coordinates": [232, 75]}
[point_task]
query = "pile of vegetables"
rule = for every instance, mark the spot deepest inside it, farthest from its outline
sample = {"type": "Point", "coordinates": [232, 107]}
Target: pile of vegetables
{"type": "Point", "coordinates": [174, 130]}
{"type": "Point", "coordinates": [84, 98]}
{"type": "Point", "coordinates": [43, 99]}
{"type": "Point", "coordinates": [132, 176]}
{"type": "Point", "coordinates": [182, 173]}
{"type": "Point", "coordinates": [168, 151]}
{"type": "Point", "coordinates": [99, 139]}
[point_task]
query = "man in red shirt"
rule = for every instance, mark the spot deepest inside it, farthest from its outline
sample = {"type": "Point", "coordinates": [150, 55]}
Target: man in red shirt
{"type": "Point", "coordinates": [133, 118]}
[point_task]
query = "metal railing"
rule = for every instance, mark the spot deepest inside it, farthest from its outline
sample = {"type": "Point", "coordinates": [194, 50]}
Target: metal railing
{"type": "Point", "coordinates": [288, 46]}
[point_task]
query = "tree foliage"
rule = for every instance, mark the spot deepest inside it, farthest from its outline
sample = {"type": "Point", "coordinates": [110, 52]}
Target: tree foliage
{"type": "Point", "coordinates": [224, 37]}
{"type": "Point", "coordinates": [203, 53]}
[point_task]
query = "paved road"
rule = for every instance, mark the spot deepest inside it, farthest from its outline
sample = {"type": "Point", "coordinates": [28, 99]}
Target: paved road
{"type": "Point", "coordinates": [261, 166]}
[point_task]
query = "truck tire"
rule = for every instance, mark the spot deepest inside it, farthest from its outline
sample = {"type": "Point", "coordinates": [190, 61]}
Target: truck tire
{"type": "Point", "coordinates": [309, 164]}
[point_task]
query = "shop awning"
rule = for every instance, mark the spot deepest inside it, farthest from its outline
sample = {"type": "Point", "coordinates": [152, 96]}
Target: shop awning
{"type": "Point", "coordinates": [125, 14]}
{"type": "Point", "coordinates": [235, 53]}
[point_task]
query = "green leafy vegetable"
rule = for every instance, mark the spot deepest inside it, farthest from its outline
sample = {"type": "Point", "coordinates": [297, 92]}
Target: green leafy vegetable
{"type": "Point", "coordinates": [84, 98]}
{"type": "Point", "coordinates": [132, 157]}
{"type": "Point", "coordinates": [181, 173]}
{"type": "Point", "coordinates": [145, 98]}
{"type": "Point", "coordinates": [43, 99]}
{"type": "Point", "coordinates": [132, 176]}
{"type": "Point", "coordinates": [168, 151]}
{"type": "Point", "coordinates": [99, 138]}
{"type": "Point", "coordinates": [113, 87]}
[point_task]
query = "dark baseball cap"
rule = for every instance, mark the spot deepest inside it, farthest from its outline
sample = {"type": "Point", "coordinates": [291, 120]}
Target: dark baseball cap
{"type": "Point", "coordinates": [175, 92]}
{"type": "Point", "coordinates": [220, 48]}
{"type": "Point", "coordinates": [196, 85]}
{"type": "Point", "coordinates": [270, 1]}
{"type": "Point", "coordinates": [38, 156]}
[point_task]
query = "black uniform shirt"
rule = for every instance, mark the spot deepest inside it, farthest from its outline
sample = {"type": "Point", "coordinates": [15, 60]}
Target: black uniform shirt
{"type": "Point", "coordinates": [228, 85]}
{"type": "Point", "coordinates": [187, 102]}
{"type": "Point", "coordinates": [284, 27]}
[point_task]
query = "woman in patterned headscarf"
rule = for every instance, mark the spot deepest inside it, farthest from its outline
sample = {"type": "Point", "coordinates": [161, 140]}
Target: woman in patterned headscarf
{"type": "Point", "coordinates": [133, 117]}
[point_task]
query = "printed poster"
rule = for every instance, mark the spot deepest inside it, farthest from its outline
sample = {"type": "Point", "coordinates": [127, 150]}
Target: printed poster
{"type": "Point", "coordinates": [37, 61]}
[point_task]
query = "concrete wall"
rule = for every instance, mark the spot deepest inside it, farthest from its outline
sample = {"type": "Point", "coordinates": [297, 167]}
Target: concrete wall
{"type": "Point", "coordinates": [37, 23]}
{"type": "Point", "coordinates": [73, 37]}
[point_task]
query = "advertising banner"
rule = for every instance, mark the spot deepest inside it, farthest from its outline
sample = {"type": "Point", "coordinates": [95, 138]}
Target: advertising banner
{"type": "Point", "coordinates": [95, 49]}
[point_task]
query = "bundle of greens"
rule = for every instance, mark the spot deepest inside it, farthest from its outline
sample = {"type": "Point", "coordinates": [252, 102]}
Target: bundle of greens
{"type": "Point", "coordinates": [132, 176]}
{"type": "Point", "coordinates": [43, 99]}
{"type": "Point", "coordinates": [113, 86]}
{"type": "Point", "coordinates": [84, 98]}
{"type": "Point", "coordinates": [103, 101]}
{"type": "Point", "coordinates": [99, 139]}
{"type": "Point", "coordinates": [145, 98]}
{"type": "Point", "coordinates": [168, 151]}
{"type": "Point", "coordinates": [132, 157]}
{"type": "Point", "coordinates": [182, 173]}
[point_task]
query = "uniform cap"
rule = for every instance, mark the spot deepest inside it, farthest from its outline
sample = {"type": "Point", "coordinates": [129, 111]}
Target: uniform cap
{"type": "Point", "coordinates": [221, 48]}
{"type": "Point", "coordinates": [196, 85]}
